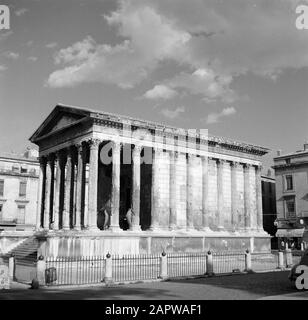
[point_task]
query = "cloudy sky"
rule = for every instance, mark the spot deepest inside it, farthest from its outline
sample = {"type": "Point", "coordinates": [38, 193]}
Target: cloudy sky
{"type": "Point", "coordinates": [238, 68]}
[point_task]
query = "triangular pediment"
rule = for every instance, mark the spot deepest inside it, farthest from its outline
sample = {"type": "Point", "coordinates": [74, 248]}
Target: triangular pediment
{"type": "Point", "coordinates": [60, 118]}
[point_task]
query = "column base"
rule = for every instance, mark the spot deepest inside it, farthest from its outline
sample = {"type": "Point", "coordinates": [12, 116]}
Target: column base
{"type": "Point", "coordinates": [135, 228]}
{"type": "Point", "coordinates": [114, 229]}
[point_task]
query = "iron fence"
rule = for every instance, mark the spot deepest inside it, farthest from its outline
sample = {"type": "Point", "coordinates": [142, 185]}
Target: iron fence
{"type": "Point", "coordinates": [90, 270]}
{"type": "Point", "coordinates": [135, 267]}
{"type": "Point", "coordinates": [228, 262]}
{"type": "Point", "coordinates": [186, 264]}
{"type": "Point", "coordinates": [74, 270]}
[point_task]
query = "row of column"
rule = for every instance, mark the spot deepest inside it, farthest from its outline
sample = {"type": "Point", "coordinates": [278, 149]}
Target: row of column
{"type": "Point", "coordinates": [71, 171]}
{"type": "Point", "coordinates": [190, 197]}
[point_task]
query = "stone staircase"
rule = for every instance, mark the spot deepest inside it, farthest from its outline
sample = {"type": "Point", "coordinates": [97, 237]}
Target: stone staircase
{"type": "Point", "coordinates": [25, 253]}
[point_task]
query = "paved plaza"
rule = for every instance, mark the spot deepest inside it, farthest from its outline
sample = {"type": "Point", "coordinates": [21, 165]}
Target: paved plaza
{"type": "Point", "coordinates": [271, 285]}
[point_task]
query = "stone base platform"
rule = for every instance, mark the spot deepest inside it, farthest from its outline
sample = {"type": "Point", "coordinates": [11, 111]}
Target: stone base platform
{"type": "Point", "coordinates": [89, 243]}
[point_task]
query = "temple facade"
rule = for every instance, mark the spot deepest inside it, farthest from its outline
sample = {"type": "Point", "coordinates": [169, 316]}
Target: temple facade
{"type": "Point", "coordinates": [114, 183]}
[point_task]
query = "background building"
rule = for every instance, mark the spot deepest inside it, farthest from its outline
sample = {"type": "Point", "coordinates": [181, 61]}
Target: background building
{"type": "Point", "coordinates": [18, 190]}
{"type": "Point", "coordinates": [269, 207]}
{"type": "Point", "coordinates": [291, 171]}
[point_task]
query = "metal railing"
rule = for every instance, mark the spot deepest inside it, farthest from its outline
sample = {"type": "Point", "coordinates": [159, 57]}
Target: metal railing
{"type": "Point", "coordinates": [186, 264]}
{"type": "Point", "coordinates": [90, 270]}
{"type": "Point", "coordinates": [135, 267]}
{"type": "Point", "coordinates": [228, 262]}
{"type": "Point", "coordinates": [74, 270]}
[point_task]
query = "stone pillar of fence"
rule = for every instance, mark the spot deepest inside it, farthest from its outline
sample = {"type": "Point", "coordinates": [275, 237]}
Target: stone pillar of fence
{"type": "Point", "coordinates": [209, 264]}
{"type": "Point", "coordinates": [40, 271]}
{"type": "Point", "coordinates": [108, 272]}
{"type": "Point", "coordinates": [12, 268]}
{"type": "Point", "coordinates": [248, 267]}
{"type": "Point", "coordinates": [302, 247]}
{"type": "Point", "coordinates": [280, 260]}
{"type": "Point", "coordinates": [163, 266]}
{"type": "Point", "coordinates": [289, 258]}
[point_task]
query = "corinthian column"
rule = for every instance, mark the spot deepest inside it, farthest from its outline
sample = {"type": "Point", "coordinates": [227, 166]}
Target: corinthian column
{"type": "Point", "coordinates": [136, 189]}
{"type": "Point", "coordinates": [79, 186]}
{"type": "Point", "coordinates": [220, 195]}
{"type": "Point", "coordinates": [155, 191]}
{"type": "Point", "coordinates": [247, 197]}
{"type": "Point", "coordinates": [190, 193]}
{"type": "Point", "coordinates": [40, 195]}
{"type": "Point", "coordinates": [234, 195]}
{"type": "Point", "coordinates": [56, 199]}
{"type": "Point", "coordinates": [172, 187]}
{"type": "Point", "coordinates": [205, 194]}
{"type": "Point", "coordinates": [67, 191]}
{"type": "Point", "coordinates": [93, 182]}
{"type": "Point", "coordinates": [259, 198]}
{"type": "Point", "coordinates": [115, 192]}
{"type": "Point", "coordinates": [47, 194]}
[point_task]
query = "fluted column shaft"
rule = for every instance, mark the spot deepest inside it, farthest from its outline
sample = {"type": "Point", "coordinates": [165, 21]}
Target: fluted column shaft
{"type": "Point", "coordinates": [67, 191]}
{"type": "Point", "coordinates": [190, 193]}
{"type": "Point", "coordinates": [57, 184]}
{"type": "Point", "coordinates": [155, 191]}
{"type": "Point", "coordinates": [172, 192]}
{"type": "Point", "coordinates": [115, 192]}
{"type": "Point", "coordinates": [136, 188]}
{"type": "Point", "coordinates": [247, 196]}
{"type": "Point", "coordinates": [234, 194]}
{"type": "Point", "coordinates": [205, 194]}
{"type": "Point", "coordinates": [47, 194]}
{"type": "Point", "coordinates": [220, 195]}
{"type": "Point", "coordinates": [40, 195]}
{"type": "Point", "coordinates": [93, 184]}
{"type": "Point", "coordinates": [259, 198]}
{"type": "Point", "coordinates": [79, 189]}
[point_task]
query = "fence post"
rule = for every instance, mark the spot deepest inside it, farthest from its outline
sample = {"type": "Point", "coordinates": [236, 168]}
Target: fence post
{"type": "Point", "coordinates": [40, 269]}
{"type": "Point", "coordinates": [302, 247]}
{"type": "Point", "coordinates": [12, 267]}
{"type": "Point", "coordinates": [280, 260]}
{"type": "Point", "coordinates": [108, 272]}
{"type": "Point", "coordinates": [209, 264]}
{"type": "Point", "coordinates": [163, 266]}
{"type": "Point", "coordinates": [289, 258]}
{"type": "Point", "coordinates": [248, 267]}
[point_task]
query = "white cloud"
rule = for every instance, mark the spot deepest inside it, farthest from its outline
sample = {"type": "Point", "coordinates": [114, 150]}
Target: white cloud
{"type": "Point", "coordinates": [21, 11]}
{"type": "Point", "coordinates": [11, 55]}
{"type": "Point", "coordinates": [160, 92]}
{"type": "Point", "coordinates": [150, 38]}
{"type": "Point", "coordinates": [2, 68]}
{"type": "Point", "coordinates": [51, 45]}
{"type": "Point", "coordinates": [206, 83]}
{"type": "Point", "coordinates": [172, 114]}
{"type": "Point", "coordinates": [215, 40]}
{"type": "Point", "coordinates": [216, 117]}
{"type": "Point", "coordinates": [33, 59]}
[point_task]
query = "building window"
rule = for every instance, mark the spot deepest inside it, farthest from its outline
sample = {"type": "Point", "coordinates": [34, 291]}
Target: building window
{"type": "Point", "coordinates": [289, 183]}
{"type": "Point", "coordinates": [288, 161]}
{"type": "Point", "coordinates": [23, 170]}
{"type": "Point", "coordinates": [1, 211]}
{"type": "Point", "coordinates": [21, 214]}
{"type": "Point", "coordinates": [290, 207]}
{"type": "Point", "coordinates": [1, 188]}
{"type": "Point", "coordinates": [22, 188]}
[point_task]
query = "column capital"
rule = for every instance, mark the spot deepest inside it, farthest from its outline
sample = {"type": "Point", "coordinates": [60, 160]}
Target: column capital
{"type": "Point", "coordinates": [221, 161]}
{"type": "Point", "coordinates": [137, 148]}
{"type": "Point", "coordinates": [235, 164]}
{"type": "Point", "coordinates": [259, 167]}
{"type": "Point", "coordinates": [94, 143]}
